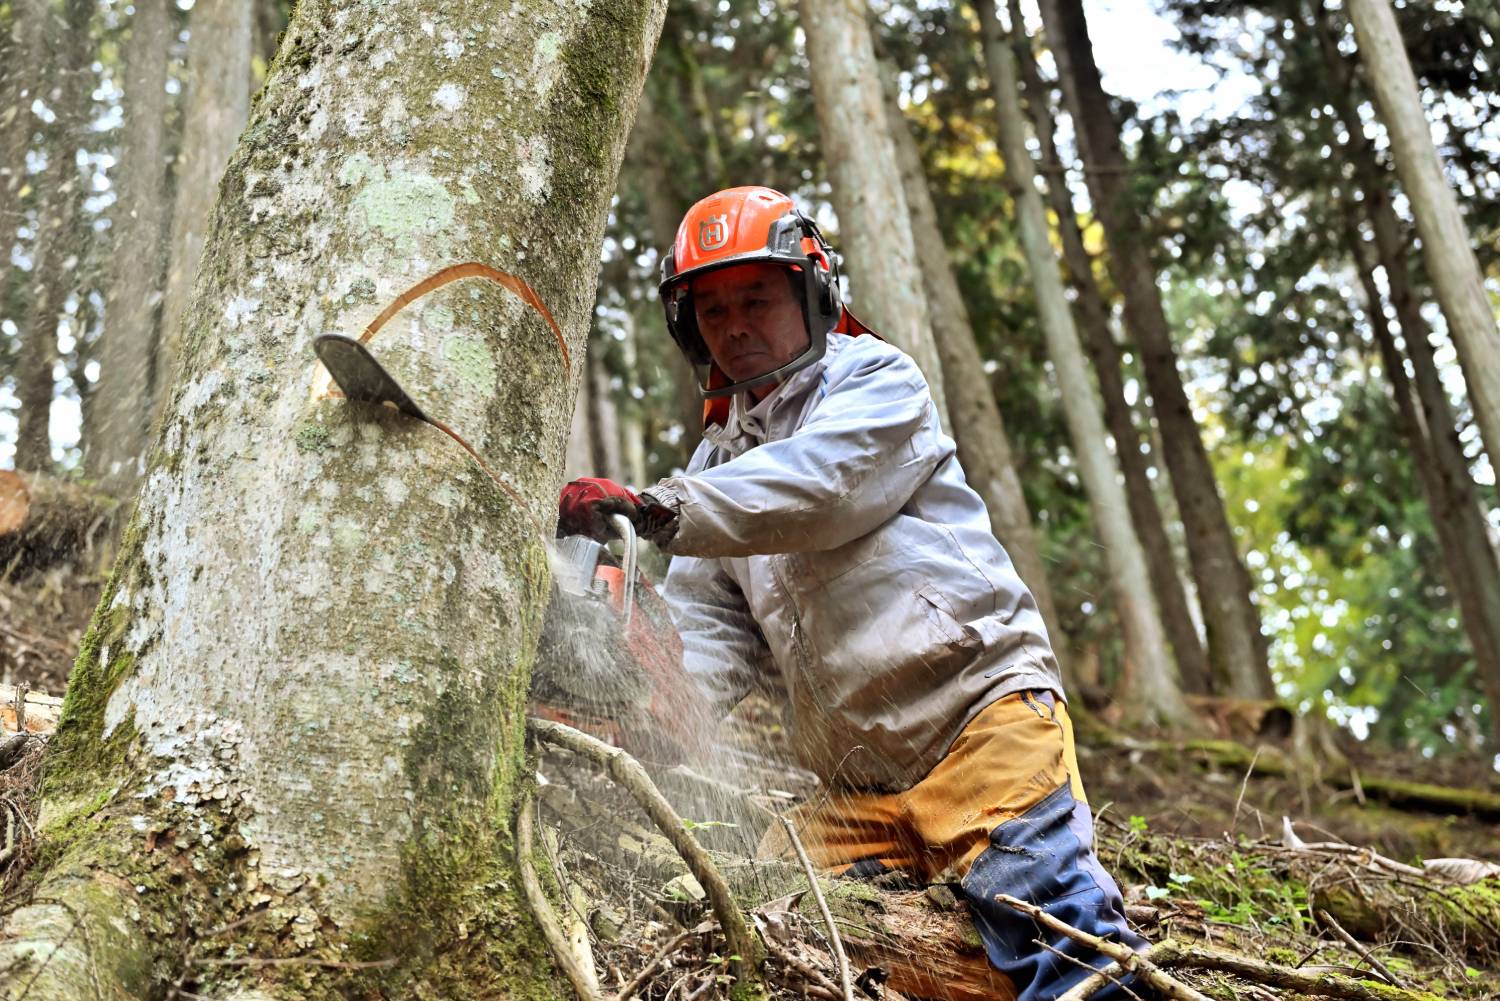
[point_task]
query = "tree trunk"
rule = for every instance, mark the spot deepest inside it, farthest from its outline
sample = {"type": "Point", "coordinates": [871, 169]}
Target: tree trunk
{"type": "Point", "coordinates": [632, 434]}
{"type": "Point", "coordinates": [650, 155]}
{"type": "Point", "coordinates": [1475, 582]}
{"type": "Point", "coordinates": [874, 221]}
{"type": "Point", "coordinates": [1236, 648]}
{"type": "Point", "coordinates": [1152, 694]}
{"type": "Point", "coordinates": [120, 418]}
{"type": "Point", "coordinates": [20, 70]}
{"type": "Point", "coordinates": [1454, 499]}
{"type": "Point", "coordinates": [57, 246]}
{"type": "Point", "coordinates": [978, 429]}
{"type": "Point", "coordinates": [215, 107]}
{"type": "Point", "coordinates": [578, 456]}
{"type": "Point", "coordinates": [1130, 448]}
{"type": "Point", "coordinates": [604, 419]}
{"type": "Point", "coordinates": [298, 566]}
{"type": "Point", "coordinates": [1447, 246]}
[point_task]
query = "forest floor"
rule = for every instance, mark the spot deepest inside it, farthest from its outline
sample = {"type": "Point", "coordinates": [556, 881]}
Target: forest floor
{"type": "Point", "coordinates": [1317, 873]}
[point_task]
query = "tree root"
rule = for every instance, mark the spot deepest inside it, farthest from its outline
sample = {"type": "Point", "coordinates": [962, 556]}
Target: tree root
{"type": "Point", "coordinates": [628, 772]}
{"type": "Point", "coordinates": [585, 982]}
{"type": "Point", "coordinates": [76, 939]}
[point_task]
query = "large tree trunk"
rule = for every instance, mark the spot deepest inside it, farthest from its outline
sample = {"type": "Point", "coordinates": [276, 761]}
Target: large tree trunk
{"type": "Point", "coordinates": [1475, 583]}
{"type": "Point", "coordinates": [22, 49]}
{"type": "Point", "coordinates": [299, 566]}
{"type": "Point", "coordinates": [120, 417]}
{"type": "Point", "coordinates": [860, 156]}
{"type": "Point", "coordinates": [1152, 693]}
{"type": "Point", "coordinates": [1130, 448]}
{"type": "Point", "coordinates": [1236, 648]}
{"type": "Point", "coordinates": [978, 429]}
{"type": "Point", "coordinates": [217, 102]}
{"type": "Point", "coordinates": [1453, 500]}
{"type": "Point", "coordinates": [57, 245]}
{"type": "Point", "coordinates": [1447, 246]}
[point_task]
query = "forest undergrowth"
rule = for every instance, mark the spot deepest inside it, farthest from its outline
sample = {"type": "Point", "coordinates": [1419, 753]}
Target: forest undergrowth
{"type": "Point", "coordinates": [1286, 871]}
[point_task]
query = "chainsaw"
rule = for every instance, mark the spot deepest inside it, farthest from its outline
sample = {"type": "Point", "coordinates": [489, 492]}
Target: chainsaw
{"type": "Point", "coordinates": [609, 659]}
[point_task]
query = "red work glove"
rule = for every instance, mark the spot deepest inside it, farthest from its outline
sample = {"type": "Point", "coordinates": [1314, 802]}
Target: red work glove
{"type": "Point", "coordinates": [585, 506]}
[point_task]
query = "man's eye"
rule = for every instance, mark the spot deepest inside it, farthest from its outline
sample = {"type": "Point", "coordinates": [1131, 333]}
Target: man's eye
{"type": "Point", "coordinates": [756, 303]}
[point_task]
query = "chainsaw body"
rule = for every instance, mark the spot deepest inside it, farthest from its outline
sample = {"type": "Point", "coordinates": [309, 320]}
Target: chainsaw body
{"type": "Point", "coordinates": [609, 659]}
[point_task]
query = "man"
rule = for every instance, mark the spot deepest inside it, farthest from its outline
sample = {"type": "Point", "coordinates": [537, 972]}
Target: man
{"type": "Point", "coordinates": [823, 536]}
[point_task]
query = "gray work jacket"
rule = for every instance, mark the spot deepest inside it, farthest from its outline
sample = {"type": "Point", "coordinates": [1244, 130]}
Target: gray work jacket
{"type": "Point", "coordinates": [827, 536]}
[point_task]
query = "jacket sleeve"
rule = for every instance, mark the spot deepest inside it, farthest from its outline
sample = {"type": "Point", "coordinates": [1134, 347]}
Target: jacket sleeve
{"type": "Point", "coordinates": [722, 647]}
{"type": "Point", "coordinates": [870, 442]}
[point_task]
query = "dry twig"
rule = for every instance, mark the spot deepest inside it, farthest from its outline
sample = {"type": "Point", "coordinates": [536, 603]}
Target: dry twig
{"type": "Point", "coordinates": [845, 981]}
{"type": "Point", "coordinates": [1359, 949]}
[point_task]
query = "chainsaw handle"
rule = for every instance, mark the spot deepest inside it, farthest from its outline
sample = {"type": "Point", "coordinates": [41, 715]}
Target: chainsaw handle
{"type": "Point", "coordinates": [625, 529]}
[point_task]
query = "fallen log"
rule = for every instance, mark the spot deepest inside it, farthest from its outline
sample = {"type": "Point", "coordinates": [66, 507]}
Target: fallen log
{"type": "Point", "coordinates": [1271, 761]}
{"type": "Point", "coordinates": [44, 520]}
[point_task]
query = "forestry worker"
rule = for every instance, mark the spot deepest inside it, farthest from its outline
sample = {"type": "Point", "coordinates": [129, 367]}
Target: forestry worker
{"type": "Point", "coordinates": [824, 540]}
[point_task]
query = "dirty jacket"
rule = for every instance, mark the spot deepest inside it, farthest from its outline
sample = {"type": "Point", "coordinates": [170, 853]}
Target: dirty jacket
{"type": "Point", "coordinates": [827, 537]}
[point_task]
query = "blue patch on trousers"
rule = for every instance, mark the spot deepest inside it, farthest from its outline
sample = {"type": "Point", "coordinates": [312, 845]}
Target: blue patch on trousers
{"type": "Point", "coordinates": [1045, 857]}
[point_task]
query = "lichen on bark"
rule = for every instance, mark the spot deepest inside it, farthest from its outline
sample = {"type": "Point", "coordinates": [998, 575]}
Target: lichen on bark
{"type": "Point", "coordinates": [298, 713]}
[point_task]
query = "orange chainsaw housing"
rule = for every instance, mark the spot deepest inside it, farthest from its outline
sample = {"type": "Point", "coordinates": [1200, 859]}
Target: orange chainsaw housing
{"type": "Point", "coordinates": [667, 726]}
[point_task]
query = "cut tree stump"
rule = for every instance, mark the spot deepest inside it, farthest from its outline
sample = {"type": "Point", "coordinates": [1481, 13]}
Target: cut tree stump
{"type": "Point", "coordinates": [44, 520]}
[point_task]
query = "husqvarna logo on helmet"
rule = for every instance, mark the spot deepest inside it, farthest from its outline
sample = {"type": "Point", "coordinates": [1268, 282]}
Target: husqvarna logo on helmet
{"type": "Point", "coordinates": [713, 232]}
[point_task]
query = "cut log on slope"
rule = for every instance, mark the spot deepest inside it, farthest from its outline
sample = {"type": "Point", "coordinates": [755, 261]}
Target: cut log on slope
{"type": "Point", "coordinates": [40, 710]}
{"type": "Point", "coordinates": [44, 520]}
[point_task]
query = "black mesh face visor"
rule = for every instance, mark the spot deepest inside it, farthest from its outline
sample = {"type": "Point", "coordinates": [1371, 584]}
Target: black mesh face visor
{"type": "Point", "coordinates": [817, 293]}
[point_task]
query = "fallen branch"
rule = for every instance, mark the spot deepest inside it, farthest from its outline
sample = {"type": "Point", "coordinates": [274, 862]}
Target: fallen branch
{"type": "Point", "coordinates": [585, 983]}
{"type": "Point", "coordinates": [628, 772]}
{"type": "Point", "coordinates": [1127, 958]}
{"type": "Point", "coordinates": [1360, 950]}
{"type": "Point", "coordinates": [1319, 982]}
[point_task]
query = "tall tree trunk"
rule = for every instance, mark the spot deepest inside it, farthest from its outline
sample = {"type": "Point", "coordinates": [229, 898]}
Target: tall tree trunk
{"type": "Point", "coordinates": [1447, 245]}
{"type": "Point", "coordinates": [1152, 693]}
{"type": "Point", "coordinates": [56, 248]}
{"type": "Point", "coordinates": [298, 711]}
{"type": "Point", "coordinates": [632, 434]}
{"type": "Point", "coordinates": [21, 58]}
{"type": "Point", "coordinates": [215, 107]}
{"type": "Point", "coordinates": [604, 418]}
{"type": "Point", "coordinates": [1475, 583]}
{"type": "Point", "coordinates": [1236, 648]}
{"type": "Point", "coordinates": [1458, 498]}
{"type": "Point", "coordinates": [978, 429]}
{"type": "Point", "coordinates": [650, 155]}
{"type": "Point", "coordinates": [1130, 448]}
{"type": "Point", "coordinates": [121, 415]}
{"type": "Point", "coordinates": [860, 155]}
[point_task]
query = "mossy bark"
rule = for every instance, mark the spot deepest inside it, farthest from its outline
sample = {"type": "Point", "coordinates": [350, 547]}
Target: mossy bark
{"type": "Point", "coordinates": [222, 810]}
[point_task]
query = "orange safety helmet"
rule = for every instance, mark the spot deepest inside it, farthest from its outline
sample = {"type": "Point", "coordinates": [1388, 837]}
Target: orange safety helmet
{"type": "Point", "coordinates": [745, 226]}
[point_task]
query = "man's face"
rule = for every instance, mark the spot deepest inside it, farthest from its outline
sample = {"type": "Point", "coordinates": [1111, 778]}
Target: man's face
{"type": "Point", "coordinates": [749, 318]}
